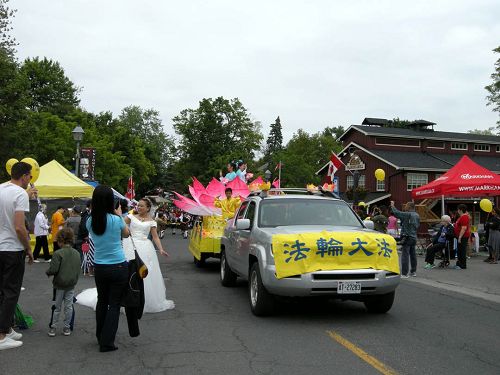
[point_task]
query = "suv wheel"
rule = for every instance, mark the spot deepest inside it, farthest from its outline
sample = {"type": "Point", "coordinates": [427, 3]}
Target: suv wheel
{"type": "Point", "coordinates": [379, 304]}
{"type": "Point", "coordinates": [199, 263]}
{"type": "Point", "coordinates": [227, 276]}
{"type": "Point", "coordinates": [261, 301]}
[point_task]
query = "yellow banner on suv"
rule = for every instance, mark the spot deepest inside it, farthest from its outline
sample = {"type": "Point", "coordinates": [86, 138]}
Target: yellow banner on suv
{"type": "Point", "coordinates": [295, 254]}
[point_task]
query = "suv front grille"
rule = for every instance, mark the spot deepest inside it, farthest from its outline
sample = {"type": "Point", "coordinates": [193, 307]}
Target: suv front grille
{"type": "Point", "coordinates": [343, 276]}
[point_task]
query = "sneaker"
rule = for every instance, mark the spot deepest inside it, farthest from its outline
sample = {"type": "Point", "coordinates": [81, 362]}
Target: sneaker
{"type": "Point", "coordinates": [13, 335]}
{"type": "Point", "coordinates": [36, 261]}
{"type": "Point", "coordinates": [457, 268]}
{"type": "Point", "coordinates": [428, 266]}
{"type": "Point", "coordinates": [52, 332]}
{"type": "Point", "coordinates": [413, 274]}
{"type": "Point", "coordinates": [405, 276]}
{"type": "Point", "coordinates": [7, 343]}
{"type": "Point", "coordinates": [66, 331]}
{"type": "Point", "coordinates": [48, 260]}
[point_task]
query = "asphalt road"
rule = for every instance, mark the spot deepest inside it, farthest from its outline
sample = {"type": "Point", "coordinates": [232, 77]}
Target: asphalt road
{"type": "Point", "coordinates": [212, 331]}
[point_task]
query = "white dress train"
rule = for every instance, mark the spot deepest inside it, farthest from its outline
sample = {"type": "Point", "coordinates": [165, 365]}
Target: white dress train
{"type": "Point", "coordinates": [154, 286]}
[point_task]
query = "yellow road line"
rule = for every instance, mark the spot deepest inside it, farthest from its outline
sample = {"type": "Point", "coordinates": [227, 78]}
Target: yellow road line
{"type": "Point", "coordinates": [386, 370]}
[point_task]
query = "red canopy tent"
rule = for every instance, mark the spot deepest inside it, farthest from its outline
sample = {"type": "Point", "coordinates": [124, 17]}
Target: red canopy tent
{"type": "Point", "coordinates": [465, 179]}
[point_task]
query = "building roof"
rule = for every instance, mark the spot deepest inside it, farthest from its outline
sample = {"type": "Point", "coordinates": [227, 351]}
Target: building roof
{"type": "Point", "coordinates": [423, 161]}
{"type": "Point", "coordinates": [375, 121]}
{"type": "Point", "coordinates": [432, 161]}
{"type": "Point", "coordinates": [422, 134]}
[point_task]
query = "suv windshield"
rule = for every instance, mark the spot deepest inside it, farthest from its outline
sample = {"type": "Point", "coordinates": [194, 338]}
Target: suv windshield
{"type": "Point", "coordinates": [284, 212]}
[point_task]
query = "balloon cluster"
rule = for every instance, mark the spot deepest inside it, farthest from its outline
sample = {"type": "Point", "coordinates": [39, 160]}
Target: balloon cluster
{"type": "Point", "coordinates": [35, 168]}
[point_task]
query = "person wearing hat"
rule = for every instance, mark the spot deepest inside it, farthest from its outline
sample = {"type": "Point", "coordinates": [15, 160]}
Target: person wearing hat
{"type": "Point", "coordinates": [73, 220]}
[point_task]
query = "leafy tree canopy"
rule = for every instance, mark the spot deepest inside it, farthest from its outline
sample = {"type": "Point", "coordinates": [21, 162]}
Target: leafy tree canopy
{"type": "Point", "coordinates": [7, 42]}
{"type": "Point", "coordinates": [304, 155]}
{"type": "Point", "coordinates": [493, 89]}
{"type": "Point", "coordinates": [49, 90]}
{"type": "Point", "coordinates": [218, 131]}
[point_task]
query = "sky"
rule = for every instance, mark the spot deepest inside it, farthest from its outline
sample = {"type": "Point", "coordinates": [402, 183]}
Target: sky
{"type": "Point", "coordinates": [313, 63]}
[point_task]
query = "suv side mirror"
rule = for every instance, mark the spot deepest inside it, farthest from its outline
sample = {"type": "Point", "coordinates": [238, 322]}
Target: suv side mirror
{"type": "Point", "coordinates": [243, 224]}
{"type": "Point", "coordinates": [369, 224]}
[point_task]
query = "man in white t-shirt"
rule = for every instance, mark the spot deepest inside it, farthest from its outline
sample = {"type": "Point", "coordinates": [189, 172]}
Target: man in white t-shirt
{"type": "Point", "coordinates": [14, 247]}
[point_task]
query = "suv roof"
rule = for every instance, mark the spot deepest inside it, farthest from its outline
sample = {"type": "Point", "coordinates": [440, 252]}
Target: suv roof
{"type": "Point", "coordinates": [293, 193]}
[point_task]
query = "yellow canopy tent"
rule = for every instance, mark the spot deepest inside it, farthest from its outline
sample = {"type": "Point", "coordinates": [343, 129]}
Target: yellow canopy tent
{"type": "Point", "coordinates": [55, 181]}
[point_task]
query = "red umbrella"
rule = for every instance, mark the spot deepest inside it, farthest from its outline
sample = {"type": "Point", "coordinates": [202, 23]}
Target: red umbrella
{"type": "Point", "coordinates": [465, 179]}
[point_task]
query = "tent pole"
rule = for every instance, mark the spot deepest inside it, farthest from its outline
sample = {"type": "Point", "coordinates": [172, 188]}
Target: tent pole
{"type": "Point", "coordinates": [442, 205]}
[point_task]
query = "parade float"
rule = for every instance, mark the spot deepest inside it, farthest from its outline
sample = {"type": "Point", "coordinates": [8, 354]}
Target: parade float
{"type": "Point", "coordinates": [204, 239]}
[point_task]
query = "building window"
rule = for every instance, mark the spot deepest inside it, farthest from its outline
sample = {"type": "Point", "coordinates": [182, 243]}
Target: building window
{"type": "Point", "coordinates": [482, 147]}
{"type": "Point", "coordinates": [458, 146]}
{"type": "Point", "coordinates": [438, 175]}
{"type": "Point", "coordinates": [415, 180]}
{"type": "Point", "coordinates": [498, 148]}
{"type": "Point", "coordinates": [350, 181]}
{"type": "Point", "coordinates": [381, 185]}
{"type": "Point", "coordinates": [435, 144]}
{"type": "Point", "coordinates": [400, 142]}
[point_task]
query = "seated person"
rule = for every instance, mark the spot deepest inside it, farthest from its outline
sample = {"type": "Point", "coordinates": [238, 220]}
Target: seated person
{"type": "Point", "coordinates": [229, 205]}
{"type": "Point", "coordinates": [231, 174]}
{"type": "Point", "coordinates": [440, 242]}
{"type": "Point", "coordinates": [242, 170]}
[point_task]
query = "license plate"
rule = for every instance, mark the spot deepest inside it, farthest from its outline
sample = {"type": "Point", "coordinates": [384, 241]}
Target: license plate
{"type": "Point", "coordinates": [349, 287]}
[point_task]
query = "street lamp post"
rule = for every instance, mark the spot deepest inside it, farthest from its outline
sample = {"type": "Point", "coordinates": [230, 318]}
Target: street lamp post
{"type": "Point", "coordinates": [267, 175]}
{"type": "Point", "coordinates": [78, 137]}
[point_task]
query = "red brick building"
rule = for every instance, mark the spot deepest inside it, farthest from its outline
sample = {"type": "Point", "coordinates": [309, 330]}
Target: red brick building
{"type": "Point", "coordinates": [411, 157]}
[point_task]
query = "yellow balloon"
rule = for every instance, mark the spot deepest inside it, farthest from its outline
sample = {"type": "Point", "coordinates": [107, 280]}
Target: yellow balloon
{"type": "Point", "coordinates": [9, 164]}
{"type": "Point", "coordinates": [486, 205]}
{"type": "Point", "coordinates": [35, 168]}
{"type": "Point", "coordinates": [380, 174]}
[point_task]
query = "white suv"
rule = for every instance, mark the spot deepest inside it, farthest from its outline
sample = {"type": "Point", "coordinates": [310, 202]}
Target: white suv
{"type": "Point", "coordinates": [247, 251]}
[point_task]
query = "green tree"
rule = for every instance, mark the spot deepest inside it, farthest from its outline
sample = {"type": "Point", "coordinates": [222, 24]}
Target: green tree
{"type": "Point", "coordinates": [398, 123]}
{"type": "Point", "coordinates": [489, 131]}
{"type": "Point", "coordinates": [49, 89]}
{"type": "Point", "coordinates": [13, 102]}
{"type": "Point", "coordinates": [334, 131]}
{"type": "Point", "coordinates": [7, 42]}
{"type": "Point", "coordinates": [151, 141]}
{"type": "Point", "coordinates": [274, 143]}
{"type": "Point", "coordinates": [304, 155]}
{"type": "Point", "coordinates": [493, 89]}
{"type": "Point", "coordinates": [218, 131]}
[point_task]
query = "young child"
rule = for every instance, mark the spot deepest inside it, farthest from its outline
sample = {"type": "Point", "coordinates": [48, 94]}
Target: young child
{"type": "Point", "coordinates": [65, 267]}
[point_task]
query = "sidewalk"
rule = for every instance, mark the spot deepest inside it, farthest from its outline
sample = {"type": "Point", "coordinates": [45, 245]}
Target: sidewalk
{"type": "Point", "coordinates": [480, 279]}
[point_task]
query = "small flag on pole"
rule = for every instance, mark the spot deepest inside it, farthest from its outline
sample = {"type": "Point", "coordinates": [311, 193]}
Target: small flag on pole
{"type": "Point", "coordinates": [277, 166]}
{"type": "Point", "coordinates": [130, 188]}
{"type": "Point", "coordinates": [335, 164]}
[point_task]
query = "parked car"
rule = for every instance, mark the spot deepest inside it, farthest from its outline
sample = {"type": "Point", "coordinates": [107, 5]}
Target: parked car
{"type": "Point", "coordinates": [250, 249]}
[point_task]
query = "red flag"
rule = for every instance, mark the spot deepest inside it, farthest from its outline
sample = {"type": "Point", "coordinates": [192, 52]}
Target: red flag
{"type": "Point", "coordinates": [130, 188]}
{"type": "Point", "coordinates": [335, 164]}
{"type": "Point", "coordinates": [277, 166]}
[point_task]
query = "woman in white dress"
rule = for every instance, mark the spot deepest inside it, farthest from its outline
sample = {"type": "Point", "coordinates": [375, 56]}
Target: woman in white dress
{"type": "Point", "coordinates": [141, 226]}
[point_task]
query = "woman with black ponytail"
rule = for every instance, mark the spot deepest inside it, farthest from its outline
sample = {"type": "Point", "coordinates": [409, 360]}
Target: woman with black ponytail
{"type": "Point", "coordinates": [107, 227]}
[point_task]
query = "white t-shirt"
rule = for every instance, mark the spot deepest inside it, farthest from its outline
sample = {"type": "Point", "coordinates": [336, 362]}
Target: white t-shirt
{"type": "Point", "coordinates": [13, 199]}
